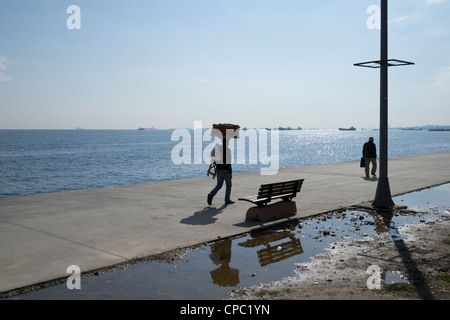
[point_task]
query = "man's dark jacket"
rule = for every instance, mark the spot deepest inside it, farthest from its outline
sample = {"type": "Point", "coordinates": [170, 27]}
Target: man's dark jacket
{"type": "Point", "coordinates": [369, 150]}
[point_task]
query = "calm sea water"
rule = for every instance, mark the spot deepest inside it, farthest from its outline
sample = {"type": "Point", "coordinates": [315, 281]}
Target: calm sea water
{"type": "Point", "coordinates": [43, 161]}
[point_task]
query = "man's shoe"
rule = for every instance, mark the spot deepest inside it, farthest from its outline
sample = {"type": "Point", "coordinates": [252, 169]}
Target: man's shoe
{"type": "Point", "coordinates": [229, 202]}
{"type": "Point", "coordinates": [210, 197]}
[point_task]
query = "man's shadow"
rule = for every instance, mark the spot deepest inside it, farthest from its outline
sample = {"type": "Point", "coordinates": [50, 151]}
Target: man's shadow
{"type": "Point", "coordinates": [204, 216]}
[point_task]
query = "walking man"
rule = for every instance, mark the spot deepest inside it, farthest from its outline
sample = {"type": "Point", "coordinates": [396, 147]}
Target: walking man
{"type": "Point", "coordinates": [370, 153]}
{"type": "Point", "coordinates": [222, 156]}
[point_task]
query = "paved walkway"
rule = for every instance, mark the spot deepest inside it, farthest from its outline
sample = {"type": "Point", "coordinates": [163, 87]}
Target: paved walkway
{"type": "Point", "coordinates": [41, 235]}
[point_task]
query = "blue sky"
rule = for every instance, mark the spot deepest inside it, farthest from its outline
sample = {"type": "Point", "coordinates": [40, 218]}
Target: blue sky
{"type": "Point", "coordinates": [257, 63]}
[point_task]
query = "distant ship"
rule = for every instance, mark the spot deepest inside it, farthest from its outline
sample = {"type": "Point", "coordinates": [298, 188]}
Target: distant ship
{"type": "Point", "coordinates": [347, 129]}
{"type": "Point", "coordinates": [289, 128]}
{"type": "Point", "coordinates": [141, 128]}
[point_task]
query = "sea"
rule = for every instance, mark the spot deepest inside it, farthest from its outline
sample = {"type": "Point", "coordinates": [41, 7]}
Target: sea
{"type": "Point", "coordinates": [46, 161]}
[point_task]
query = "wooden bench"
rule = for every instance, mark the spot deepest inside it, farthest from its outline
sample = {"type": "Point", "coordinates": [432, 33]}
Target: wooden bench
{"type": "Point", "coordinates": [280, 190]}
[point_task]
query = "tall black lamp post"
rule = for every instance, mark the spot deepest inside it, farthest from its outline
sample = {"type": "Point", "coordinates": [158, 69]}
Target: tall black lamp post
{"type": "Point", "coordinates": [383, 198]}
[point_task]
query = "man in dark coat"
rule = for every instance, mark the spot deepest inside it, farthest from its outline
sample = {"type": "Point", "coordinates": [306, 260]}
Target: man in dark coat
{"type": "Point", "coordinates": [370, 153]}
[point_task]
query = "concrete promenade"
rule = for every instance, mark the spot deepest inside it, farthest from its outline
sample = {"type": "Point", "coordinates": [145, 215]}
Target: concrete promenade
{"type": "Point", "coordinates": [41, 235]}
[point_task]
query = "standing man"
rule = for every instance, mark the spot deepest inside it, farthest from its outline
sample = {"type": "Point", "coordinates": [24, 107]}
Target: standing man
{"type": "Point", "coordinates": [369, 152]}
{"type": "Point", "coordinates": [222, 158]}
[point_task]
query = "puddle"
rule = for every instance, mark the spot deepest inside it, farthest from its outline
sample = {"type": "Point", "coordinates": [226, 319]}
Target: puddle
{"type": "Point", "coordinates": [390, 277]}
{"type": "Point", "coordinates": [212, 270]}
{"type": "Point", "coordinates": [432, 199]}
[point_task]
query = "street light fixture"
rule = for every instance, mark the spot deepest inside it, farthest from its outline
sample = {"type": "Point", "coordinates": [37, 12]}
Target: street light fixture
{"type": "Point", "coordinates": [383, 198]}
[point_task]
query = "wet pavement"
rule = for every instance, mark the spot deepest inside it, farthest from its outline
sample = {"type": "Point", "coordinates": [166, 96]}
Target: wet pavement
{"type": "Point", "coordinates": [211, 270]}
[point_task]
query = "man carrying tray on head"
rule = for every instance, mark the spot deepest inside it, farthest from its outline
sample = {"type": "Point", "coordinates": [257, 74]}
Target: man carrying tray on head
{"type": "Point", "coordinates": [221, 155]}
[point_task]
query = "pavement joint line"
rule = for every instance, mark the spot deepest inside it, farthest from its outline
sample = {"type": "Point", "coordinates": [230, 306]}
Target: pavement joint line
{"type": "Point", "coordinates": [65, 239]}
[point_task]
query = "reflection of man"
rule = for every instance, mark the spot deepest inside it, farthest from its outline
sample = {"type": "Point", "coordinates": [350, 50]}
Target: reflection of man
{"type": "Point", "coordinates": [221, 254]}
{"type": "Point", "coordinates": [370, 153]}
{"type": "Point", "coordinates": [222, 158]}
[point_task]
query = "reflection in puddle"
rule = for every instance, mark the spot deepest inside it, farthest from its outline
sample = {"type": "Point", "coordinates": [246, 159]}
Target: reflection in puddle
{"type": "Point", "coordinates": [274, 251]}
{"type": "Point", "coordinates": [210, 271]}
{"type": "Point", "coordinates": [390, 277]}
{"type": "Point", "coordinates": [221, 255]}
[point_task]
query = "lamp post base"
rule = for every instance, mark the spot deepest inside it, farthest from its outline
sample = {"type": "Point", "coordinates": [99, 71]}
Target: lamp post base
{"type": "Point", "coordinates": [383, 198]}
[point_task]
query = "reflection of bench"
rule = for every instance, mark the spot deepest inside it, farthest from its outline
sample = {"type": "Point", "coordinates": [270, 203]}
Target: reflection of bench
{"type": "Point", "coordinates": [280, 190]}
{"type": "Point", "coordinates": [277, 251]}
{"type": "Point", "coordinates": [280, 252]}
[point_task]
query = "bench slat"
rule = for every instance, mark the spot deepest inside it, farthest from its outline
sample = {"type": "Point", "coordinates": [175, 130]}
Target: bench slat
{"type": "Point", "coordinates": [279, 188]}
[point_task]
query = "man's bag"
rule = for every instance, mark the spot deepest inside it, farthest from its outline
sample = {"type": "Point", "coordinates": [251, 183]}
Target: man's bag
{"type": "Point", "coordinates": [212, 170]}
{"type": "Point", "coordinates": [362, 163]}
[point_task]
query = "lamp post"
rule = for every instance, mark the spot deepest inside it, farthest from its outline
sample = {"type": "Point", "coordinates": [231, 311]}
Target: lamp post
{"type": "Point", "coordinates": [383, 198]}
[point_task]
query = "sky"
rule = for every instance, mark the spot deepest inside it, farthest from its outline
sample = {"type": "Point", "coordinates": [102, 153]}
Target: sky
{"type": "Point", "coordinates": [257, 63]}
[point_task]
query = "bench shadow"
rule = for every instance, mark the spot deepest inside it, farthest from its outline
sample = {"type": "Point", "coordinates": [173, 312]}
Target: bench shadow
{"type": "Point", "coordinates": [249, 224]}
{"type": "Point", "coordinates": [370, 179]}
{"type": "Point", "coordinates": [263, 224]}
{"type": "Point", "coordinates": [204, 216]}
